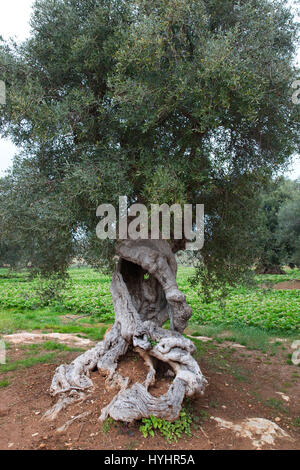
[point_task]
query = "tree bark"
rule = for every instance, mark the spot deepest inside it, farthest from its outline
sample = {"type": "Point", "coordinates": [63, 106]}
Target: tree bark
{"type": "Point", "coordinates": [145, 295]}
{"type": "Point", "coordinates": [269, 270]}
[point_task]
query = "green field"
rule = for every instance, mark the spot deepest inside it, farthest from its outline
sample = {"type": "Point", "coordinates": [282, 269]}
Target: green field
{"type": "Point", "coordinates": [87, 297]}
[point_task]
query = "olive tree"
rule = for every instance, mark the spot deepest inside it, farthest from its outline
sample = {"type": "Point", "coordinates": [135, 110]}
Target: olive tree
{"type": "Point", "coordinates": [174, 101]}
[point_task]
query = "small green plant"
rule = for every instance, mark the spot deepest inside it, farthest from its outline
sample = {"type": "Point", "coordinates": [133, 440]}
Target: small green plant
{"type": "Point", "coordinates": [287, 384]}
{"type": "Point", "coordinates": [50, 289]}
{"type": "Point", "coordinates": [131, 445]}
{"type": "Point", "coordinates": [107, 424]}
{"type": "Point", "coordinates": [213, 404]}
{"type": "Point", "coordinates": [4, 383]}
{"type": "Point", "coordinates": [276, 404]}
{"type": "Point", "coordinates": [170, 431]}
{"type": "Point", "coordinates": [296, 421]}
{"type": "Point", "coordinates": [240, 374]}
{"type": "Point", "coordinates": [152, 342]}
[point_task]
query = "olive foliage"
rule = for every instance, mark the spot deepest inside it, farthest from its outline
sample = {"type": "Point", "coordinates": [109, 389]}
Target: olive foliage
{"type": "Point", "coordinates": [174, 101]}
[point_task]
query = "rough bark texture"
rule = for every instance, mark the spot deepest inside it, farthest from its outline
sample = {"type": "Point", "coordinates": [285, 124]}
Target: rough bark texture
{"type": "Point", "coordinates": [145, 295]}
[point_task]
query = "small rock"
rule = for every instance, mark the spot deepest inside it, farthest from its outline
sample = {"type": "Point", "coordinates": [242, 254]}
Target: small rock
{"type": "Point", "coordinates": [36, 434]}
{"type": "Point", "coordinates": [277, 419]}
{"type": "Point", "coordinates": [10, 445]}
{"type": "Point", "coordinates": [261, 431]}
{"type": "Point", "coordinates": [42, 446]}
{"type": "Point", "coordinates": [283, 396]}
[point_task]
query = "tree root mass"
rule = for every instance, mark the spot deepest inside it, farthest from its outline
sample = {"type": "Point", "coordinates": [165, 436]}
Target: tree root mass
{"type": "Point", "coordinates": [145, 295]}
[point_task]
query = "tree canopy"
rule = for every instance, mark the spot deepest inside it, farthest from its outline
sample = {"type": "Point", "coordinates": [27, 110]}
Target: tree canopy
{"type": "Point", "coordinates": [289, 226]}
{"type": "Point", "coordinates": [175, 101]}
{"type": "Point", "coordinates": [278, 233]}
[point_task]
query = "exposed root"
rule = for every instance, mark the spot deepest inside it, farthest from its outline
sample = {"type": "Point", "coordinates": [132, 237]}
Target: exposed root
{"type": "Point", "coordinates": [63, 402]}
{"type": "Point", "coordinates": [71, 421]}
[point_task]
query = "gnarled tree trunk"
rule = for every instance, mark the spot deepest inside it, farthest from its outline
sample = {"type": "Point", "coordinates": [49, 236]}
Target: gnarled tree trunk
{"type": "Point", "coordinates": [145, 295]}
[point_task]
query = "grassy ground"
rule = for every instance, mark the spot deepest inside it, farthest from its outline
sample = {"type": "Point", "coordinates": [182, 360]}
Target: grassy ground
{"type": "Point", "coordinates": [267, 309]}
{"type": "Point", "coordinates": [87, 298]}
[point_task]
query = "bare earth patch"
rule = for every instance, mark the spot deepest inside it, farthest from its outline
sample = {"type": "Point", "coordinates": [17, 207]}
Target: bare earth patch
{"type": "Point", "coordinates": [206, 339]}
{"type": "Point", "coordinates": [287, 285]}
{"type": "Point", "coordinates": [34, 338]}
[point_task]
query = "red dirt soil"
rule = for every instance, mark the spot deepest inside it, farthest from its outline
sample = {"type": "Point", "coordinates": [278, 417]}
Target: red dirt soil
{"type": "Point", "coordinates": [229, 396]}
{"type": "Point", "coordinates": [288, 285]}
